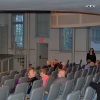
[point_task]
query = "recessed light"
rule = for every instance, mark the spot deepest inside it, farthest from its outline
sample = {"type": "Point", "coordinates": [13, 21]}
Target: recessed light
{"type": "Point", "coordinates": [90, 6]}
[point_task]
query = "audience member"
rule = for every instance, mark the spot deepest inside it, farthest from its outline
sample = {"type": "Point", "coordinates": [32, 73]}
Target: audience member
{"type": "Point", "coordinates": [61, 79]}
{"type": "Point", "coordinates": [91, 64]}
{"type": "Point", "coordinates": [64, 67]}
{"type": "Point", "coordinates": [97, 63]}
{"type": "Point", "coordinates": [59, 67]}
{"type": "Point", "coordinates": [43, 75]}
{"type": "Point", "coordinates": [32, 77]}
{"type": "Point", "coordinates": [48, 64]}
{"type": "Point", "coordinates": [55, 64]}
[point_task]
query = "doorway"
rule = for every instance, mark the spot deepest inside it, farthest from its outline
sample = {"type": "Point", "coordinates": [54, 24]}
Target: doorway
{"type": "Point", "coordinates": [42, 53]}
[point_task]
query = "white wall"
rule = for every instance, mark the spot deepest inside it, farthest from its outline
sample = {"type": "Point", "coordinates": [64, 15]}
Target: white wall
{"type": "Point", "coordinates": [53, 42]}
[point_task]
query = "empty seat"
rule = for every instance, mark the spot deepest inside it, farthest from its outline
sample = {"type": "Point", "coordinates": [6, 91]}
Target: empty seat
{"type": "Point", "coordinates": [74, 69]}
{"type": "Point", "coordinates": [2, 74]}
{"type": "Point", "coordinates": [23, 71]}
{"type": "Point", "coordinates": [19, 96]}
{"type": "Point", "coordinates": [70, 75]}
{"type": "Point", "coordinates": [48, 83]}
{"type": "Point", "coordinates": [96, 77]}
{"type": "Point", "coordinates": [74, 95]}
{"type": "Point", "coordinates": [37, 94]}
{"type": "Point", "coordinates": [17, 76]}
{"type": "Point", "coordinates": [89, 71]}
{"type": "Point", "coordinates": [54, 91]}
{"type": "Point", "coordinates": [68, 70]}
{"type": "Point", "coordinates": [7, 77]}
{"type": "Point", "coordinates": [4, 92]}
{"type": "Point", "coordinates": [54, 74]}
{"type": "Point", "coordinates": [51, 69]}
{"type": "Point", "coordinates": [89, 93]}
{"type": "Point", "coordinates": [94, 70]}
{"type": "Point", "coordinates": [79, 83]}
{"type": "Point", "coordinates": [84, 72]}
{"type": "Point", "coordinates": [23, 79]}
{"type": "Point", "coordinates": [12, 73]}
{"type": "Point", "coordinates": [97, 70]}
{"type": "Point", "coordinates": [23, 87]}
{"type": "Point", "coordinates": [9, 83]}
{"type": "Point", "coordinates": [26, 74]}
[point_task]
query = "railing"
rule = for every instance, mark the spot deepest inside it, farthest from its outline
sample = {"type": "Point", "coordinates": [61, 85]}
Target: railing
{"type": "Point", "coordinates": [20, 56]}
{"type": "Point", "coordinates": [6, 66]}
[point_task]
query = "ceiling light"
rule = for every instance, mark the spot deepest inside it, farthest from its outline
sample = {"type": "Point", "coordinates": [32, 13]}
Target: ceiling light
{"type": "Point", "coordinates": [90, 6]}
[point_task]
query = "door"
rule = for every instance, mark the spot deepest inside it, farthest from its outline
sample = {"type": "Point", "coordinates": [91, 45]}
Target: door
{"type": "Point", "coordinates": [42, 53]}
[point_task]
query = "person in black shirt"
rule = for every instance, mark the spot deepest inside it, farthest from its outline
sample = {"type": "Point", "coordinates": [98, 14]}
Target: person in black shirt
{"type": "Point", "coordinates": [32, 77]}
{"type": "Point", "coordinates": [91, 55]}
{"type": "Point", "coordinates": [55, 64]}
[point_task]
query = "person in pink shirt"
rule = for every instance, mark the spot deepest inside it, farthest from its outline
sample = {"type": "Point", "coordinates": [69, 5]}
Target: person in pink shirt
{"type": "Point", "coordinates": [43, 75]}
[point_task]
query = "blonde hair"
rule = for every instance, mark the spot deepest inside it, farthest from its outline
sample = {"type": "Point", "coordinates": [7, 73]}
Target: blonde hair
{"type": "Point", "coordinates": [91, 63]}
{"type": "Point", "coordinates": [43, 71]}
{"type": "Point", "coordinates": [49, 62]}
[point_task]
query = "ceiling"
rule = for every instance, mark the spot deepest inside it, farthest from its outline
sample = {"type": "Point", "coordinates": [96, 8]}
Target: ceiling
{"type": "Point", "coordinates": [51, 5]}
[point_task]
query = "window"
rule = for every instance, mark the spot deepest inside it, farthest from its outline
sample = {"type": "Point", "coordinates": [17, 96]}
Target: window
{"type": "Point", "coordinates": [42, 24]}
{"type": "Point", "coordinates": [17, 29]}
{"type": "Point", "coordinates": [66, 38]}
{"type": "Point", "coordinates": [94, 38]}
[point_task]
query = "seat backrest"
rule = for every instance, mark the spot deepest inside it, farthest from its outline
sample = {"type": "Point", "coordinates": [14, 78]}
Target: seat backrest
{"type": "Point", "coordinates": [97, 70]}
{"type": "Point", "coordinates": [7, 77]}
{"type": "Point", "coordinates": [89, 71]}
{"type": "Point", "coordinates": [9, 83]}
{"type": "Point", "coordinates": [38, 76]}
{"type": "Point", "coordinates": [17, 76]}
{"type": "Point", "coordinates": [68, 88]}
{"type": "Point", "coordinates": [4, 92]}
{"type": "Point", "coordinates": [2, 74]}
{"type": "Point", "coordinates": [84, 72]}
{"type": "Point", "coordinates": [51, 69]}
{"type": "Point", "coordinates": [95, 97]}
{"type": "Point", "coordinates": [74, 69]}
{"type": "Point", "coordinates": [37, 68]}
{"type": "Point", "coordinates": [48, 83]}
{"type": "Point", "coordinates": [76, 76]}
{"type": "Point", "coordinates": [26, 74]}
{"type": "Point", "coordinates": [94, 70]}
{"type": "Point", "coordinates": [54, 91]}
{"type": "Point", "coordinates": [37, 94]}
{"type": "Point", "coordinates": [74, 95]}
{"type": "Point", "coordinates": [88, 80]}
{"type": "Point", "coordinates": [89, 93]}
{"type": "Point", "coordinates": [23, 79]}
{"type": "Point", "coordinates": [23, 87]}
{"type": "Point", "coordinates": [23, 71]}
{"type": "Point", "coordinates": [54, 74]}
{"type": "Point", "coordinates": [68, 70]}
{"type": "Point", "coordinates": [12, 73]}
{"type": "Point", "coordinates": [96, 77]}
{"type": "Point", "coordinates": [79, 83]}
{"type": "Point", "coordinates": [37, 84]}
{"type": "Point", "coordinates": [19, 96]}
{"type": "Point", "coordinates": [70, 75]}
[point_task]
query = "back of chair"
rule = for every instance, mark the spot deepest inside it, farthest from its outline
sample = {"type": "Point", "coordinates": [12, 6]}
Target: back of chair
{"type": "Point", "coordinates": [68, 88]}
{"type": "Point", "coordinates": [79, 83]}
{"type": "Point", "coordinates": [89, 71]}
{"type": "Point", "coordinates": [26, 74]}
{"type": "Point", "coordinates": [84, 72]}
{"type": "Point", "coordinates": [74, 95]}
{"type": "Point", "coordinates": [37, 84]}
{"type": "Point", "coordinates": [97, 70]}
{"type": "Point", "coordinates": [7, 77]}
{"type": "Point", "coordinates": [54, 91]}
{"type": "Point", "coordinates": [23, 71]}
{"type": "Point", "coordinates": [19, 96]}
{"type": "Point", "coordinates": [95, 97]}
{"type": "Point", "coordinates": [37, 94]}
{"type": "Point", "coordinates": [51, 69]}
{"type": "Point", "coordinates": [17, 76]}
{"type": "Point", "coordinates": [54, 74]}
{"type": "Point", "coordinates": [96, 77]}
{"type": "Point", "coordinates": [2, 74]}
{"type": "Point", "coordinates": [12, 73]}
{"type": "Point", "coordinates": [88, 80]}
{"type": "Point", "coordinates": [23, 87]}
{"type": "Point", "coordinates": [68, 70]}
{"type": "Point", "coordinates": [48, 83]}
{"type": "Point", "coordinates": [89, 93]}
{"type": "Point", "coordinates": [23, 79]}
{"type": "Point", "coordinates": [38, 76]}
{"type": "Point", "coordinates": [4, 92]}
{"type": "Point", "coordinates": [70, 75]}
{"type": "Point", "coordinates": [94, 70]}
{"type": "Point", "coordinates": [10, 83]}
{"type": "Point", "coordinates": [77, 75]}
{"type": "Point", "coordinates": [74, 69]}
{"type": "Point", "coordinates": [37, 68]}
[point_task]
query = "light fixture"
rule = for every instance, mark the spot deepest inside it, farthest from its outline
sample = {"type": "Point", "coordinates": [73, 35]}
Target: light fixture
{"type": "Point", "coordinates": [90, 6]}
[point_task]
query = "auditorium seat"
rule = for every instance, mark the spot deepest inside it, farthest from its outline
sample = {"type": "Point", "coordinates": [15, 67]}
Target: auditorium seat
{"type": "Point", "coordinates": [68, 70]}
{"type": "Point", "coordinates": [23, 71]}
{"type": "Point", "coordinates": [96, 77]}
{"type": "Point", "coordinates": [2, 74]}
{"type": "Point", "coordinates": [12, 73]}
{"type": "Point", "coordinates": [54, 74]}
{"type": "Point", "coordinates": [84, 72]}
{"type": "Point", "coordinates": [23, 79]}
{"type": "Point", "coordinates": [70, 75]}
{"type": "Point", "coordinates": [17, 76]}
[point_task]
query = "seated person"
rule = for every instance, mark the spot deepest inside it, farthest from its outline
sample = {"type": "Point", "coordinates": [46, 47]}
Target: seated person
{"type": "Point", "coordinates": [91, 64]}
{"type": "Point", "coordinates": [43, 75]}
{"type": "Point", "coordinates": [48, 64]}
{"type": "Point", "coordinates": [60, 67]}
{"type": "Point", "coordinates": [32, 77]}
{"type": "Point", "coordinates": [64, 67]}
{"type": "Point", "coordinates": [61, 79]}
{"type": "Point", "coordinates": [55, 64]}
{"type": "Point", "coordinates": [97, 63]}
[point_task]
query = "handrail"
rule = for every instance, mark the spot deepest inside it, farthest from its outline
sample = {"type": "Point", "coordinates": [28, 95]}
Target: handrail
{"type": "Point", "coordinates": [20, 55]}
{"type": "Point", "coordinates": [6, 59]}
